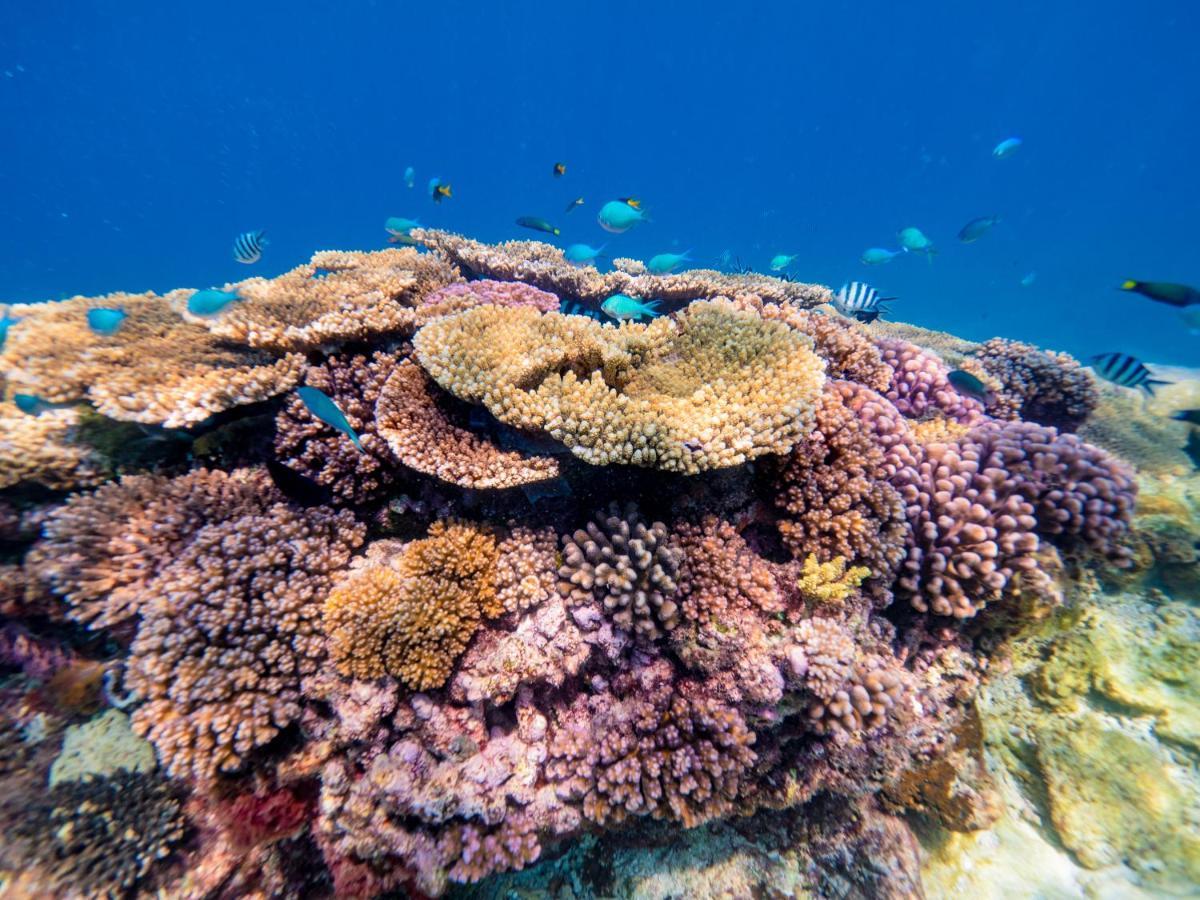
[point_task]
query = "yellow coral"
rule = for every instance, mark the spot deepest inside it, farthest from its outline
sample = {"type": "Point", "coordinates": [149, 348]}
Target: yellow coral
{"type": "Point", "coordinates": [937, 430]}
{"type": "Point", "coordinates": [711, 387]}
{"type": "Point", "coordinates": [830, 582]}
{"type": "Point", "coordinates": [413, 618]}
{"type": "Point", "coordinates": [44, 449]}
{"type": "Point", "coordinates": [337, 297]}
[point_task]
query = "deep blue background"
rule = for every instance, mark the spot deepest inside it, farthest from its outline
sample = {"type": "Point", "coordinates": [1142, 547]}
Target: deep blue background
{"type": "Point", "coordinates": [139, 139]}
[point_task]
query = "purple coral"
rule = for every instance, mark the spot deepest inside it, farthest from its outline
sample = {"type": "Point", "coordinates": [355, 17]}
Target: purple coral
{"type": "Point", "coordinates": [920, 387]}
{"type": "Point", "coordinates": [467, 294]}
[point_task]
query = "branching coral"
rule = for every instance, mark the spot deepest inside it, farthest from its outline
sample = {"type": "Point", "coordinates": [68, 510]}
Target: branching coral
{"type": "Point", "coordinates": [832, 490]}
{"type": "Point", "coordinates": [978, 505]}
{"type": "Point", "coordinates": [713, 387]}
{"type": "Point", "coordinates": [829, 582]}
{"type": "Point", "coordinates": [335, 298]}
{"type": "Point", "coordinates": [423, 437]}
{"type": "Point", "coordinates": [919, 385]}
{"type": "Point", "coordinates": [862, 704]}
{"type": "Point", "coordinates": [414, 619]}
{"type": "Point", "coordinates": [469, 294]}
{"type": "Point", "coordinates": [822, 657]}
{"type": "Point", "coordinates": [232, 627]}
{"type": "Point", "coordinates": [156, 369]}
{"type": "Point", "coordinates": [102, 836]}
{"type": "Point", "coordinates": [1039, 386]}
{"type": "Point", "coordinates": [103, 550]}
{"type": "Point", "coordinates": [314, 449]}
{"type": "Point", "coordinates": [720, 573]}
{"type": "Point", "coordinates": [627, 565]}
{"type": "Point", "coordinates": [46, 450]}
{"type": "Point", "coordinates": [544, 266]}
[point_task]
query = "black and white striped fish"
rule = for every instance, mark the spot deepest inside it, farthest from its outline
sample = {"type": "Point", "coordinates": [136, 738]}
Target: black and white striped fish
{"type": "Point", "coordinates": [860, 301]}
{"type": "Point", "coordinates": [248, 247]}
{"type": "Point", "coordinates": [1125, 370]}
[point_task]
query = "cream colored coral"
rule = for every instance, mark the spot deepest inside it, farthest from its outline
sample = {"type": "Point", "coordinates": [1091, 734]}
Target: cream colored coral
{"type": "Point", "coordinates": [711, 387]}
{"type": "Point", "coordinates": [544, 266]}
{"type": "Point", "coordinates": [336, 297]}
{"type": "Point", "coordinates": [830, 582]}
{"type": "Point", "coordinates": [100, 746]}
{"type": "Point", "coordinates": [43, 449]}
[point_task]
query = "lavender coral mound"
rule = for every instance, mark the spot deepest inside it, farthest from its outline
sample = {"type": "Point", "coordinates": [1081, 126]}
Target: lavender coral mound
{"type": "Point", "coordinates": [629, 566]}
{"type": "Point", "coordinates": [1039, 385]}
{"type": "Point", "coordinates": [978, 506]}
{"type": "Point", "coordinates": [309, 446]}
{"type": "Point", "coordinates": [469, 294]}
{"type": "Point", "coordinates": [919, 386]}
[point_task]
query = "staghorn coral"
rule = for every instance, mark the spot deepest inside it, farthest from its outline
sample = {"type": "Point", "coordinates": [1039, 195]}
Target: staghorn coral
{"type": "Point", "coordinates": [156, 369]}
{"type": "Point", "coordinates": [628, 566]}
{"type": "Point", "coordinates": [834, 499]}
{"type": "Point", "coordinates": [424, 437]}
{"type": "Point", "coordinates": [1039, 386]}
{"type": "Point", "coordinates": [919, 384]}
{"type": "Point", "coordinates": [545, 267]}
{"type": "Point", "coordinates": [102, 551]}
{"type": "Point", "coordinates": [414, 618]}
{"type": "Point", "coordinates": [712, 387]}
{"type": "Point", "coordinates": [232, 627]}
{"type": "Point", "coordinates": [977, 507]}
{"type": "Point", "coordinates": [336, 298]}
{"type": "Point", "coordinates": [829, 582]}
{"type": "Point", "coordinates": [102, 836]}
{"type": "Point", "coordinates": [46, 450]}
{"type": "Point", "coordinates": [318, 451]}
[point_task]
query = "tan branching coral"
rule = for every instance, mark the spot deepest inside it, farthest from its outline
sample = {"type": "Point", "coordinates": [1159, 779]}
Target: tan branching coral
{"type": "Point", "coordinates": [526, 568]}
{"type": "Point", "coordinates": [336, 297]}
{"type": "Point", "coordinates": [45, 450]}
{"type": "Point", "coordinates": [233, 625]}
{"type": "Point", "coordinates": [712, 387]}
{"type": "Point", "coordinates": [423, 437]}
{"type": "Point", "coordinates": [829, 582]}
{"type": "Point", "coordinates": [103, 550]}
{"type": "Point", "coordinates": [719, 574]}
{"type": "Point", "coordinates": [414, 618]}
{"type": "Point", "coordinates": [544, 266]}
{"type": "Point", "coordinates": [155, 369]}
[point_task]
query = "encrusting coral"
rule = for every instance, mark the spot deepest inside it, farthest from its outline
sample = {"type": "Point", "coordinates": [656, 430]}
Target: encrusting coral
{"type": "Point", "coordinates": [683, 394]}
{"type": "Point", "coordinates": [414, 618]}
{"type": "Point", "coordinates": [746, 596]}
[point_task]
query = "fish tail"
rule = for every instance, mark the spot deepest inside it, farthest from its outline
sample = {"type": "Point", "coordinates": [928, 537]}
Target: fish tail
{"type": "Point", "coordinates": [1151, 383]}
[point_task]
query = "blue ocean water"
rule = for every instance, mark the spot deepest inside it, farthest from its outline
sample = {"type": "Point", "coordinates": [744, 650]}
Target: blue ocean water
{"type": "Point", "coordinates": [141, 138]}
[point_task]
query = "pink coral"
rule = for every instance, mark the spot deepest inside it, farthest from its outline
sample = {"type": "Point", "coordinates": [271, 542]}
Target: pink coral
{"type": "Point", "coordinates": [1039, 386]}
{"type": "Point", "coordinates": [467, 295]}
{"type": "Point", "coordinates": [919, 386]}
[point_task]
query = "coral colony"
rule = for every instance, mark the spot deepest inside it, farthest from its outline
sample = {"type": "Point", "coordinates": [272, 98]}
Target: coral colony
{"type": "Point", "coordinates": [744, 559]}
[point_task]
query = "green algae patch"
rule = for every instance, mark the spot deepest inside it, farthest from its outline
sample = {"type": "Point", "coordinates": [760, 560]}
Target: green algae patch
{"type": "Point", "coordinates": [1117, 798]}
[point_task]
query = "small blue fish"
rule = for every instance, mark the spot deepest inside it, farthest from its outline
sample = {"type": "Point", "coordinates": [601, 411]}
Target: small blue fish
{"type": "Point", "coordinates": [105, 321]}
{"type": "Point", "coordinates": [977, 228]}
{"type": "Point", "coordinates": [781, 261]}
{"type": "Point", "coordinates": [33, 405]}
{"type": "Point", "coordinates": [624, 308]}
{"type": "Point", "coordinates": [398, 228]}
{"type": "Point", "coordinates": [969, 386]}
{"type": "Point", "coordinates": [914, 241]}
{"type": "Point", "coordinates": [1125, 370]}
{"type": "Point", "coordinates": [1006, 147]}
{"type": "Point", "coordinates": [5, 321]}
{"type": "Point", "coordinates": [210, 302]}
{"type": "Point", "coordinates": [875, 256]}
{"type": "Point", "coordinates": [322, 406]}
{"type": "Point", "coordinates": [410, 177]}
{"type": "Point", "coordinates": [248, 247]}
{"type": "Point", "coordinates": [582, 254]}
{"type": "Point", "coordinates": [618, 216]}
{"type": "Point", "coordinates": [439, 190]}
{"type": "Point", "coordinates": [663, 263]}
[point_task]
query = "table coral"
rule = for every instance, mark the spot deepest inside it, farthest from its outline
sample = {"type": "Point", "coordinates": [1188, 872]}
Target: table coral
{"type": "Point", "coordinates": [711, 387]}
{"type": "Point", "coordinates": [468, 294]}
{"type": "Point", "coordinates": [413, 619]}
{"type": "Point", "coordinates": [423, 437]}
{"type": "Point", "coordinates": [545, 267]}
{"type": "Point", "coordinates": [336, 298]}
{"type": "Point", "coordinates": [45, 449]}
{"type": "Point", "coordinates": [1039, 386]}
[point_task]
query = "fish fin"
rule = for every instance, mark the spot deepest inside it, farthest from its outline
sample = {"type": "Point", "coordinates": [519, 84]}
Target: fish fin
{"type": "Point", "coordinates": [354, 439]}
{"type": "Point", "coordinates": [652, 306]}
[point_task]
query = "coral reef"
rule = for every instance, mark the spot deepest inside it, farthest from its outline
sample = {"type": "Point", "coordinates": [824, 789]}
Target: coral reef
{"type": "Point", "coordinates": [682, 394]}
{"type": "Point", "coordinates": [1038, 385]}
{"type": "Point", "coordinates": [759, 563]}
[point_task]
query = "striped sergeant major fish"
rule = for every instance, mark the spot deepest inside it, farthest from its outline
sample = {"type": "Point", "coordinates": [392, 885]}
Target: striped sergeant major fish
{"type": "Point", "coordinates": [1125, 370]}
{"type": "Point", "coordinates": [860, 301]}
{"type": "Point", "coordinates": [248, 246]}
